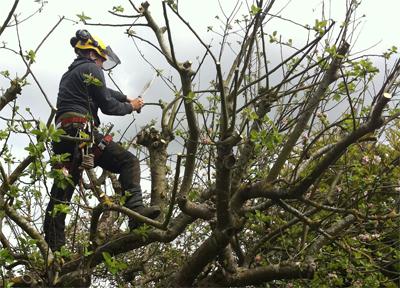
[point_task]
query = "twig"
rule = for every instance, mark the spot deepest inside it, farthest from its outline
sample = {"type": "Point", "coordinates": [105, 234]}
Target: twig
{"type": "Point", "coordinates": [134, 7]}
{"type": "Point", "coordinates": [114, 25]}
{"type": "Point", "coordinates": [235, 95]}
{"type": "Point", "coordinates": [349, 98]}
{"type": "Point", "coordinates": [4, 26]}
{"type": "Point", "coordinates": [195, 34]}
{"type": "Point", "coordinates": [5, 177]}
{"type": "Point", "coordinates": [171, 43]}
{"type": "Point", "coordinates": [148, 42]}
{"type": "Point", "coordinates": [174, 191]}
{"type": "Point", "coordinates": [38, 84]}
{"type": "Point", "coordinates": [224, 108]}
{"type": "Point", "coordinates": [48, 34]}
{"type": "Point", "coordinates": [124, 16]}
{"type": "Point", "coordinates": [28, 66]}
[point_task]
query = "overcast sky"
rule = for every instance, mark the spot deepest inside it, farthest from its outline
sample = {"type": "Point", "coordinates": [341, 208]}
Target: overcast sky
{"type": "Point", "coordinates": [379, 27]}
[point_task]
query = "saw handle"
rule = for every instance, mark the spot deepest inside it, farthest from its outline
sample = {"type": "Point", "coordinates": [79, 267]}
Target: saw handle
{"type": "Point", "coordinates": [140, 109]}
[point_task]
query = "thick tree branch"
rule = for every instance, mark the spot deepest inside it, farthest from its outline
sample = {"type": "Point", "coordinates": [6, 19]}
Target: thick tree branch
{"type": "Point", "coordinates": [373, 123]}
{"type": "Point", "coordinates": [208, 250]}
{"type": "Point", "coordinates": [223, 185]}
{"type": "Point", "coordinates": [31, 231]}
{"type": "Point", "coordinates": [265, 189]}
{"type": "Point", "coordinates": [157, 146]}
{"type": "Point", "coordinates": [336, 229]}
{"type": "Point", "coordinates": [259, 275]}
{"type": "Point", "coordinates": [126, 242]}
{"type": "Point", "coordinates": [196, 210]}
{"type": "Point", "coordinates": [158, 33]}
{"type": "Point", "coordinates": [10, 94]}
{"type": "Point", "coordinates": [194, 135]}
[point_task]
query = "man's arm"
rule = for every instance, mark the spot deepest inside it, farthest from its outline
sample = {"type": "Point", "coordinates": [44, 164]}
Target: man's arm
{"type": "Point", "coordinates": [118, 95]}
{"type": "Point", "coordinates": [108, 102]}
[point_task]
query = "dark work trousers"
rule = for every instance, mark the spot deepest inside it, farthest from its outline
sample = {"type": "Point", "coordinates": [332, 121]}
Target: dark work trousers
{"type": "Point", "coordinates": [114, 159]}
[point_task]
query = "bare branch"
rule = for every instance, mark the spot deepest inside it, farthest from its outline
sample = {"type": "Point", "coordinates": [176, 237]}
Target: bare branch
{"type": "Point", "coordinates": [4, 26]}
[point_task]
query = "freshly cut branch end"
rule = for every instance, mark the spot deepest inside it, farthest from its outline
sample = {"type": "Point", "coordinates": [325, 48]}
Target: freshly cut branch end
{"type": "Point", "coordinates": [387, 95]}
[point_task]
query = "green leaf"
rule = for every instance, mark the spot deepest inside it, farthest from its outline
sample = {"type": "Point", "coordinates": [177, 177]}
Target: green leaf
{"type": "Point", "coordinates": [14, 191]}
{"type": "Point", "coordinates": [60, 208]}
{"type": "Point", "coordinates": [118, 8]}
{"type": "Point", "coordinates": [5, 257]}
{"type": "Point", "coordinates": [172, 4]}
{"type": "Point", "coordinates": [113, 265]}
{"type": "Point", "coordinates": [320, 26]}
{"type": "Point", "coordinates": [30, 56]}
{"type": "Point", "coordinates": [89, 79]}
{"type": "Point", "coordinates": [64, 252]}
{"type": "Point", "coordinates": [61, 177]}
{"type": "Point", "coordinates": [86, 252]}
{"type": "Point", "coordinates": [107, 257]}
{"type": "Point", "coordinates": [82, 17]}
{"type": "Point", "coordinates": [190, 97]}
{"type": "Point", "coordinates": [59, 158]}
{"type": "Point", "coordinates": [83, 135]}
{"type": "Point", "coordinates": [5, 73]}
{"type": "Point", "coordinates": [255, 10]}
{"type": "Point", "coordinates": [35, 150]}
{"type": "Point", "coordinates": [54, 134]}
{"type": "Point", "coordinates": [142, 231]}
{"type": "Point", "coordinates": [336, 97]}
{"type": "Point", "coordinates": [3, 134]}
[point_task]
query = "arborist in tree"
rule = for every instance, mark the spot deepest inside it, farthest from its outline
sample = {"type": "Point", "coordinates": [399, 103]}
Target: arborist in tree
{"type": "Point", "coordinates": [81, 93]}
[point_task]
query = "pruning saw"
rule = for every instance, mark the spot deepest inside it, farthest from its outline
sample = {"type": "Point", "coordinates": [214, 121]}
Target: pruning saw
{"type": "Point", "coordinates": [146, 88]}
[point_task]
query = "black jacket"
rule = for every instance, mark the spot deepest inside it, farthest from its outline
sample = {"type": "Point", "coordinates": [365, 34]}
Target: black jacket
{"type": "Point", "coordinates": [85, 98]}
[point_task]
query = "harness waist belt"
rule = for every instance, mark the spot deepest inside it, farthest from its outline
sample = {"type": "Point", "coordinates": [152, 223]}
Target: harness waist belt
{"type": "Point", "coordinates": [63, 122]}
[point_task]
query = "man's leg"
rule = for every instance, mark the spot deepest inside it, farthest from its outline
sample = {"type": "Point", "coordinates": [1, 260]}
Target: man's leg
{"type": "Point", "coordinates": [54, 222]}
{"type": "Point", "coordinates": [118, 160]}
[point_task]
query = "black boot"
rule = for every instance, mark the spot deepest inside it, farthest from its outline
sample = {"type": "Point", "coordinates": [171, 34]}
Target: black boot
{"type": "Point", "coordinates": [151, 212]}
{"type": "Point", "coordinates": [135, 203]}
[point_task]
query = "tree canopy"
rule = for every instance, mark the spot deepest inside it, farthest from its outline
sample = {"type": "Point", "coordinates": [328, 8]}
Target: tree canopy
{"type": "Point", "coordinates": [281, 170]}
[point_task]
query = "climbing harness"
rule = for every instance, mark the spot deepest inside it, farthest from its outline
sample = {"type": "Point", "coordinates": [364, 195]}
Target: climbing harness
{"type": "Point", "coordinates": [107, 139]}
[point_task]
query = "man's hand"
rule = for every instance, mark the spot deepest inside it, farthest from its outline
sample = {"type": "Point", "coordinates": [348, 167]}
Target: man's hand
{"type": "Point", "coordinates": [137, 103]}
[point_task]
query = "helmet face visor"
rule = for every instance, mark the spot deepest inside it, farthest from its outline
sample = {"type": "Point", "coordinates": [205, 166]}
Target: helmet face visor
{"type": "Point", "coordinates": [112, 59]}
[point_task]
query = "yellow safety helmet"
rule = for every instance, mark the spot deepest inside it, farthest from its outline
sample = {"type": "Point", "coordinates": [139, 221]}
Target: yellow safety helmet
{"type": "Point", "coordinates": [84, 40]}
{"type": "Point", "coordinates": [96, 44]}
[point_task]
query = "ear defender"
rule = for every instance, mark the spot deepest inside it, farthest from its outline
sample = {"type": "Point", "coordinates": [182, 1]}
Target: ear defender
{"type": "Point", "coordinates": [73, 41]}
{"type": "Point", "coordinates": [83, 35]}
